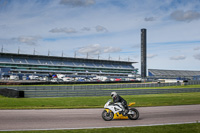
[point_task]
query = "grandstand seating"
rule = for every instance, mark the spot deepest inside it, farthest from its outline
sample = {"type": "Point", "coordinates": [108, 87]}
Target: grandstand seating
{"type": "Point", "coordinates": [33, 61]}
{"type": "Point", "coordinates": [68, 63]}
{"type": "Point", "coordinates": [89, 64]}
{"type": "Point", "coordinates": [173, 73]}
{"type": "Point", "coordinates": [19, 60]}
{"type": "Point", "coordinates": [6, 59]}
{"type": "Point", "coordinates": [60, 62]}
{"type": "Point", "coordinates": [46, 62]}
{"type": "Point", "coordinates": [79, 64]}
{"type": "Point", "coordinates": [125, 66]}
{"type": "Point", "coordinates": [56, 62]}
{"type": "Point", "coordinates": [108, 65]}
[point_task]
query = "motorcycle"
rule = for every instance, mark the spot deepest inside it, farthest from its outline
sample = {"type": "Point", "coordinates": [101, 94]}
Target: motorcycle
{"type": "Point", "coordinates": [117, 111]}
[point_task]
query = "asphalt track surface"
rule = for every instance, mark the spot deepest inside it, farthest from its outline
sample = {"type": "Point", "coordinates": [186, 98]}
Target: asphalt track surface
{"type": "Point", "coordinates": [57, 119]}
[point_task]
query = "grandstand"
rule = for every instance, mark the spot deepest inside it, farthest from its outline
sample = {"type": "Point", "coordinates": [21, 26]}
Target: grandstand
{"type": "Point", "coordinates": [178, 74]}
{"type": "Point", "coordinates": [25, 64]}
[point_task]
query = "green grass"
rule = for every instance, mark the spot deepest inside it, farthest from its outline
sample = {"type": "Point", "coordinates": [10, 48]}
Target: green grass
{"type": "Point", "coordinates": [98, 102]}
{"type": "Point", "coordinates": [181, 128]}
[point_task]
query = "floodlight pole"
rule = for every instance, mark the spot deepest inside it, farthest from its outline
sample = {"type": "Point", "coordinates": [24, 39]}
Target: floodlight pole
{"type": "Point", "coordinates": [18, 50]}
{"type": "Point", "coordinates": [2, 49]}
{"type": "Point", "coordinates": [34, 51]}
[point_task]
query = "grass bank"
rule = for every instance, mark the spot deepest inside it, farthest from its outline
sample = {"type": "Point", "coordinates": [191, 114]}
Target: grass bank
{"type": "Point", "coordinates": [98, 102]}
{"type": "Point", "coordinates": [182, 128]}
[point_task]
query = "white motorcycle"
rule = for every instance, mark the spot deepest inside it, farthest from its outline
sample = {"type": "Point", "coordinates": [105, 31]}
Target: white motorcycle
{"type": "Point", "coordinates": [117, 111]}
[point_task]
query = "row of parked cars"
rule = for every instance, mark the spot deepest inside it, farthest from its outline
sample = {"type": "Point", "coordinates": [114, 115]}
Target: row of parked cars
{"type": "Point", "coordinates": [65, 78]}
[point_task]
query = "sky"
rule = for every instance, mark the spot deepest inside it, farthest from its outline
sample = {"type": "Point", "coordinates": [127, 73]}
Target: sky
{"type": "Point", "coordinates": [105, 29]}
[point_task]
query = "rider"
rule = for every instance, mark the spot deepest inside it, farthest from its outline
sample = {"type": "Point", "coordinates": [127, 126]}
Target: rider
{"type": "Point", "coordinates": [118, 98]}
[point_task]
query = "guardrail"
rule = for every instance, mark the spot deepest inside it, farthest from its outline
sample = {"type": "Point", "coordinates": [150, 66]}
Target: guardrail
{"type": "Point", "coordinates": [11, 93]}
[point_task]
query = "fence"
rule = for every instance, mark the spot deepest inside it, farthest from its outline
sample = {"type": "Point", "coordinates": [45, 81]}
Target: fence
{"type": "Point", "coordinates": [99, 87]}
{"type": "Point", "coordinates": [78, 93]}
{"type": "Point", "coordinates": [101, 90]}
{"type": "Point", "coordinates": [94, 87]}
{"type": "Point", "coordinates": [11, 92]}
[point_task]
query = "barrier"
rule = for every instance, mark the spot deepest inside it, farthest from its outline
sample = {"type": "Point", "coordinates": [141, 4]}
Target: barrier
{"type": "Point", "coordinates": [11, 93]}
{"type": "Point", "coordinates": [83, 93]}
{"type": "Point", "coordinates": [93, 90]}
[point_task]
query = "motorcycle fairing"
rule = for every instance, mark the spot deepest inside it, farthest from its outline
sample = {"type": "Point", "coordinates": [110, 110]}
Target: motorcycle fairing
{"type": "Point", "coordinates": [130, 104]}
{"type": "Point", "coordinates": [117, 115]}
{"type": "Point", "coordinates": [114, 108]}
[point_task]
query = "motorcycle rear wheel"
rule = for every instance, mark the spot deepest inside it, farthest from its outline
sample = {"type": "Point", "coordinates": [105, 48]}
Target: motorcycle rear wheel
{"type": "Point", "coordinates": [134, 116]}
{"type": "Point", "coordinates": [107, 116]}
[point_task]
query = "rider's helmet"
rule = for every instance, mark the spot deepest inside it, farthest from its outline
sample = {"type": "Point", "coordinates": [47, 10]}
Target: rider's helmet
{"type": "Point", "coordinates": [113, 94]}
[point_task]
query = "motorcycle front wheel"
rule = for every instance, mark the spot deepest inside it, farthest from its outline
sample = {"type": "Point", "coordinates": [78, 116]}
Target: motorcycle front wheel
{"type": "Point", "coordinates": [107, 116]}
{"type": "Point", "coordinates": [134, 116]}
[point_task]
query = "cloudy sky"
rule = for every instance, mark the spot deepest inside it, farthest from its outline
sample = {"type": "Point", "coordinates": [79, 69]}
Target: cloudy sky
{"type": "Point", "coordinates": [105, 29]}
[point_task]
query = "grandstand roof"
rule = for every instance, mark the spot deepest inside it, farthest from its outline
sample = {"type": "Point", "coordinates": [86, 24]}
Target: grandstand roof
{"type": "Point", "coordinates": [61, 58]}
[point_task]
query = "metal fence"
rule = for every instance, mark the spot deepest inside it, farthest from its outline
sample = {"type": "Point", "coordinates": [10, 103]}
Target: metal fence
{"type": "Point", "coordinates": [82, 93]}
{"type": "Point", "coordinates": [99, 87]}
{"type": "Point", "coordinates": [94, 87]}
{"type": "Point", "coordinates": [101, 90]}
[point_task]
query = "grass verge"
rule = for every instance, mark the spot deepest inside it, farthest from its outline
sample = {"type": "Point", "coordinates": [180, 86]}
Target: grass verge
{"type": "Point", "coordinates": [181, 128]}
{"type": "Point", "coordinates": [98, 102]}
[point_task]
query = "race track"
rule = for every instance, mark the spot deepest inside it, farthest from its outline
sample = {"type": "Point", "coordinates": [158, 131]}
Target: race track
{"type": "Point", "coordinates": [51, 119]}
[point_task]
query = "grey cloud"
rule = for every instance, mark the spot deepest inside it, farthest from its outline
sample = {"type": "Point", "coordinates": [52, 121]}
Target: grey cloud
{"type": "Point", "coordinates": [186, 16]}
{"type": "Point", "coordinates": [92, 49]}
{"type": "Point", "coordinates": [197, 48]}
{"type": "Point", "coordinates": [72, 30]}
{"type": "Point", "coordinates": [100, 28]}
{"type": "Point", "coordinates": [77, 3]}
{"type": "Point", "coordinates": [136, 46]}
{"type": "Point", "coordinates": [29, 40]}
{"type": "Point", "coordinates": [5, 41]}
{"type": "Point", "coordinates": [3, 26]}
{"type": "Point", "coordinates": [97, 49]}
{"type": "Point", "coordinates": [149, 19]}
{"type": "Point", "coordinates": [180, 57]}
{"type": "Point", "coordinates": [151, 55]}
{"type": "Point", "coordinates": [111, 49]}
{"type": "Point", "coordinates": [86, 29]}
{"type": "Point", "coordinates": [197, 56]}
{"type": "Point", "coordinates": [63, 30]}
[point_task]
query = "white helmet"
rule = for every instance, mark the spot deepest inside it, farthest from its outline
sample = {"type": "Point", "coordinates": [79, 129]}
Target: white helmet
{"type": "Point", "coordinates": [113, 94]}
